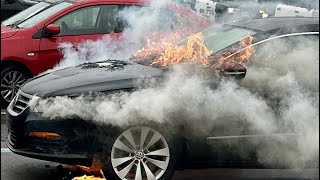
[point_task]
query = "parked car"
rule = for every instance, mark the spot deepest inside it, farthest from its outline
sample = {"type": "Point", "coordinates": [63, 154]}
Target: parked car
{"type": "Point", "coordinates": [215, 11]}
{"type": "Point", "coordinates": [12, 7]}
{"type": "Point", "coordinates": [230, 10]}
{"type": "Point", "coordinates": [75, 141]}
{"type": "Point", "coordinates": [30, 45]}
{"type": "Point", "coordinates": [29, 12]}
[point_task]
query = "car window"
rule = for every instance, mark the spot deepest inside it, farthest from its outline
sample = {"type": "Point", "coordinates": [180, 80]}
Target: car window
{"type": "Point", "coordinates": [86, 17]}
{"type": "Point", "coordinates": [43, 15]}
{"type": "Point", "coordinates": [109, 20]}
{"type": "Point", "coordinates": [89, 20]}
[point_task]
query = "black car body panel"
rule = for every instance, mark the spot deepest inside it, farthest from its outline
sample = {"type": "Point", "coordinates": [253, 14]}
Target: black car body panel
{"type": "Point", "coordinates": [72, 147]}
{"type": "Point", "coordinates": [77, 142]}
{"type": "Point", "coordinates": [78, 80]}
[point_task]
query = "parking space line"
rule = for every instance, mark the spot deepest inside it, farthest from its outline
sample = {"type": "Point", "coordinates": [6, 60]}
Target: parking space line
{"type": "Point", "coordinates": [5, 150]}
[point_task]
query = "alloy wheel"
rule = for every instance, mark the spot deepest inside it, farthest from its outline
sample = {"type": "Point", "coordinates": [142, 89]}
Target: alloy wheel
{"type": "Point", "coordinates": [140, 153]}
{"type": "Point", "coordinates": [10, 84]}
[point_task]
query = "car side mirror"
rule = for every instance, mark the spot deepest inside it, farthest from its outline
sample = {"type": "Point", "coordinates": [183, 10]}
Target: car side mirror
{"type": "Point", "coordinates": [52, 29]}
{"type": "Point", "coordinates": [232, 69]}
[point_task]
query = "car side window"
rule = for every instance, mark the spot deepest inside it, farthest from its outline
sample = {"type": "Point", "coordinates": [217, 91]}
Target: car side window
{"type": "Point", "coordinates": [89, 20]}
{"type": "Point", "coordinates": [109, 20]}
{"type": "Point", "coordinates": [80, 21]}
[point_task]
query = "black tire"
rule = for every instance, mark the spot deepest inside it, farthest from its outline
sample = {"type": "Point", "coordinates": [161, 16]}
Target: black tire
{"type": "Point", "coordinates": [170, 170]}
{"type": "Point", "coordinates": [4, 73]}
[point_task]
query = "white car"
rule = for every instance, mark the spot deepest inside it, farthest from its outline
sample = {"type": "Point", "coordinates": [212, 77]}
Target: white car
{"type": "Point", "coordinates": [283, 10]}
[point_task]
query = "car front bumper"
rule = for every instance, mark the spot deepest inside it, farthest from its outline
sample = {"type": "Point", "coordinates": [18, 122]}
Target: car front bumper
{"type": "Point", "coordinates": [75, 145]}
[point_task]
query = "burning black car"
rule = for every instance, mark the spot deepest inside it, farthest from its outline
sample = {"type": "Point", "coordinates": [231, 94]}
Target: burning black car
{"type": "Point", "coordinates": [145, 150]}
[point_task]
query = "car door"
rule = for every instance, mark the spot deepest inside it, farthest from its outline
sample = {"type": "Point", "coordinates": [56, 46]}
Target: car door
{"type": "Point", "coordinates": [78, 26]}
{"type": "Point", "coordinates": [258, 127]}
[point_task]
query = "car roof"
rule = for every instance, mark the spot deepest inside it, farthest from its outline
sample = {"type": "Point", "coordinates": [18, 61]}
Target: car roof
{"type": "Point", "coordinates": [273, 23]}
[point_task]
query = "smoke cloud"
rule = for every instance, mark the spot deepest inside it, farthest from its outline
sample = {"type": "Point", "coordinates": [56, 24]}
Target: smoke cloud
{"type": "Point", "coordinates": [278, 95]}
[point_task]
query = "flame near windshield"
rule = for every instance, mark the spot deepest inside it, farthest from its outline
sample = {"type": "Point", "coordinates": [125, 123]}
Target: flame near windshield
{"type": "Point", "coordinates": [166, 52]}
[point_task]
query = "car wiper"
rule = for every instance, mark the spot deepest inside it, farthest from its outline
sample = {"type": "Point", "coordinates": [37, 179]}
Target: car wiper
{"type": "Point", "coordinates": [15, 24]}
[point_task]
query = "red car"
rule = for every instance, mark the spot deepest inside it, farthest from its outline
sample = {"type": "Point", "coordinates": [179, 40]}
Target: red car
{"type": "Point", "coordinates": [30, 45]}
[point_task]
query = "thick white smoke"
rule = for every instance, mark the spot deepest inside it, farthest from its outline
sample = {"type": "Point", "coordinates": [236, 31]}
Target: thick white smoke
{"type": "Point", "coordinates": [278, 95]}
{"type": "Point", "coordinates": [281, 96]}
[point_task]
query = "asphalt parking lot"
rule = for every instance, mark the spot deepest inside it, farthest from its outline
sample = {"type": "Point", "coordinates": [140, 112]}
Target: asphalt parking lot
{"type": "Point", "coordinates": [15, 167]}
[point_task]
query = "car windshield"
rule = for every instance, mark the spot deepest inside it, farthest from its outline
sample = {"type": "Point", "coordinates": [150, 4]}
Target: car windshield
{"type": "Point", "coordinates": [26, 13]}
{"type": "Point", "coordinates": [43, 15]}
{"type": "Point", "coordinates": [219, 38]}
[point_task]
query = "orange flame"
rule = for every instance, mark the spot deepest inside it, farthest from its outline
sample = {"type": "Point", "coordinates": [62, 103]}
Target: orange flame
{"type": "Point", "coordinates": [85, 177]}
{"type": "Point", "coordinates": [240, 53]}
{"type": "Point", "coordinates": [94, 169]}
{"type": "Point", "coordinates": [170, 53]}
{"type": "Point", "coordinates": [156, 43]}
{"type": "Point", "coordinates": [167, 52]}
{"type": "Point", "coordinates": [193, 50]}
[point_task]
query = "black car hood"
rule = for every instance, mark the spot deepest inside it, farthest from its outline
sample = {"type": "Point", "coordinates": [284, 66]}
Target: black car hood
{"type": "Point", "coordinates": [77, 80]}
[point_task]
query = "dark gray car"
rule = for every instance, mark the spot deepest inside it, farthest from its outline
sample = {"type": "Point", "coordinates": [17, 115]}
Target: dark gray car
{"type": "Point", "coordinates": [147, 150]}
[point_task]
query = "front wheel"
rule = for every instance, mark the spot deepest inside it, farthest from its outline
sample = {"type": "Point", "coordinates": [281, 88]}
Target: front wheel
{"type": "Point", "coordinates": [11, 79]}
{"type": "Point", "coordinates": [141, 153]}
